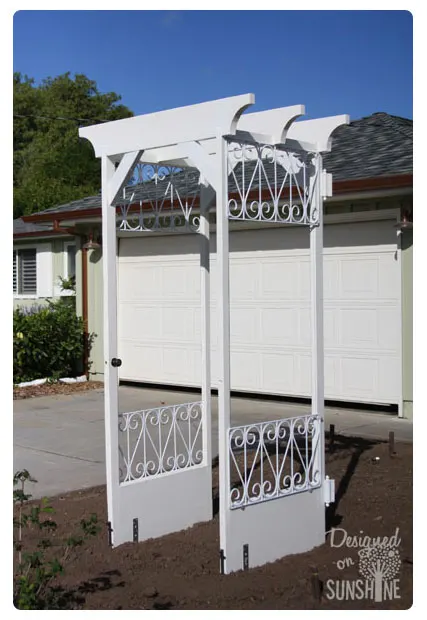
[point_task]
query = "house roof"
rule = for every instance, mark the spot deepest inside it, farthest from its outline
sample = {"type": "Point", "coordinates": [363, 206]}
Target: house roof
{"type": "Point", "coordinates": [21, 227]}
{"type": "Point", "coordinates": [373, 146]}
{"type": "Point", "coordinates": [374, 151]}
{"type": "Point", "coordinates": [32, 229]}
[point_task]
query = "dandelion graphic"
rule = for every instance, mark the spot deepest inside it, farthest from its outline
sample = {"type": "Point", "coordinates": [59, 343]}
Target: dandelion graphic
{"type": "Point", "coordinates": [378, 563]}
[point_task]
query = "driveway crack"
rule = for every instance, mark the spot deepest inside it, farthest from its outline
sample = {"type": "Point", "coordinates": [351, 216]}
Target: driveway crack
{"type": "Point", "coordinates": [66, 456]}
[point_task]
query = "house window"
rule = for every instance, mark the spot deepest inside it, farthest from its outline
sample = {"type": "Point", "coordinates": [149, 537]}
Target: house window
{"type": "Point", "coordinates": [70, 260]}
{"type": "Point", "coordinates": [25, 272]}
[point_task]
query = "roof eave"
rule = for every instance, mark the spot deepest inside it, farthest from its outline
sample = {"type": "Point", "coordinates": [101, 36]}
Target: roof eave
{"type": "Point", "coordinates": [48, 234]}
{"type": "Point", "coordinates": [340, 188]}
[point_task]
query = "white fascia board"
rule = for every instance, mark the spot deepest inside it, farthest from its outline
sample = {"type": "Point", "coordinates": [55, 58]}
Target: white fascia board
{"type": "Point", "coordinates": [159, 129]}
{"type": "Point", "coordinates": [275, 122]}
{"type": "Point", "coordinates": [317, 130]}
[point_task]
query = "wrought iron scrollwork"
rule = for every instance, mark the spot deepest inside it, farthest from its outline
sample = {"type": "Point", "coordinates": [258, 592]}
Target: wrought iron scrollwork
{"type": "Point", "coordinates": [273, 459]}
{"type": "Point", "coordinates": [270, 184]}
{"type": "Point", "coordinates": [161, 440]}
{"type": "Point", "coordinates": [160, 198]}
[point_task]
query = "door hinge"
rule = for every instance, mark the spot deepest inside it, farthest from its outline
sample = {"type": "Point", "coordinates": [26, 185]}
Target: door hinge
{"type": "Point", "coordinates": [329, 491]}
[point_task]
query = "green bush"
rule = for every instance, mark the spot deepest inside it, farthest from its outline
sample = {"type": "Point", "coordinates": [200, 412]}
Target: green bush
{"type": "Point", "coordinates": [48, 341]}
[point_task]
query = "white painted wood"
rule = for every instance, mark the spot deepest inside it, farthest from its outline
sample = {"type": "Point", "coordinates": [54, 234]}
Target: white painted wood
{"type": "Point", "coordinates": [276, 528]}
{"type": "Point", "coordinates": [316, 307]}
{"type": "Point", "coordinates": [206, 196]}
{"type": "Point", "coordinates": [164, 504]}
{"type": "Point", "coordinates": [166, 128]}
{"type": "Point", "coordinates": [274, 122]}
{"type": "Point", "coordinates": [123, 173]}
{"type": "Point", "coordinates": [400, 411]}
{"type": "Point", "coordinates": [159, 305]}
{"type": "Point", "coordinates": [109, 269]}
{"type": "Point", "coordinates": [317, 130]}
{"type": "Point", "coordinates": [44, 264]}
{"type": "Point", "coordinates": [223, 293]}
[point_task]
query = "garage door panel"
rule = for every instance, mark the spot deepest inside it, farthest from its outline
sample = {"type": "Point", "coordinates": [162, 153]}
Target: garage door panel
{"type": "Point", "coordinates": [181, 281]}
{"type": "Point", "coordinates": [137, 319]}
{"type": "Point", "coordinates": [136, 283]}
{"type": "Point", "coordinates": [332, 375]}
{"type": "Point", "coordinates": [303, 373]}
{"type": "Point", "coordinates": [359, 328]}
{"type": "Point", "coordinates": [278, 372]}
{"type": "Point", "coordinates": [178, 363]}
{"type": "Point", "coordinates": [280, 326]}
{"type": "Point", "coordinates": [278, 279]}
{"type": "Point", "coordinates": [390, 366]}
{"type": "Point", "coordinates": [330, 278]}
{"type": "Point", "coordinates": [244, 369]}
{"type": "Point", "coordinates": [140, 362]}
{"type": "Point", "coordinates": [303, 271]}
{"type": "Point", "coordinates": [270, 316]}
{"type": "Point", "coordinates": [389, 337]}
{"type": "Point", "coordinates": [244, 277]}
{"type": "Point", "coordinates": [359, 376]}
{"type": "Point", "coordinates": [389, 276]}
{"type": "Point", "coordinates": [244, 325]}
{"type": "Point", "coordinates": [178, 324]}
{"type": "Point", "coordinates": [359, 278]}
{"type": "Point", "coordinates": [331, 331]}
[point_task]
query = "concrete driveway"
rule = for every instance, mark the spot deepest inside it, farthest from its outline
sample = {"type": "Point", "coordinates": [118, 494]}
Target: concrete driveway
{"type": "Point", "coordinates": [60, 439]}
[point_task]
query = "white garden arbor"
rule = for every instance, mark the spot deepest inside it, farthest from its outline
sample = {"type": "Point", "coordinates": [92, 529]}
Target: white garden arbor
{"type": "Point", "coordinates": [164, 172]}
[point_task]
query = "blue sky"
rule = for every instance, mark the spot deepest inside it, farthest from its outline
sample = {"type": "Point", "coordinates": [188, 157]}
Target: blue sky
{"type": "Point", "coordinates": [334, 62]}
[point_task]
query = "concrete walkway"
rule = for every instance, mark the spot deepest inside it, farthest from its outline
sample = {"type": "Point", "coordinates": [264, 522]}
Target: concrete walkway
{"type": "Point", "coordinates": [60, 439]}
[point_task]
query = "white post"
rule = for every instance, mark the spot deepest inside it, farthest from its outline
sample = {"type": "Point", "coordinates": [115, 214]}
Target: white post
{"type": "Point", "coordinates": [206, 194]}
{"type": "Point", "coordinates": [317, 346]}
{"type": "Point", "coordinates": [109, 260]}
{"type": "Point", "coordinates": [222, 253]}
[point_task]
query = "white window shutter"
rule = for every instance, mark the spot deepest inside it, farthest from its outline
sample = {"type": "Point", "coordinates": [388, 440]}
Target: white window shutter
{"type": "Point", "coordinates": [44, 270]}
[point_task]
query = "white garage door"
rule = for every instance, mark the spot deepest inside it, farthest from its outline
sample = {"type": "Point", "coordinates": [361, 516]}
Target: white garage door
{"type": "Point", "coordinates": [159, 311]}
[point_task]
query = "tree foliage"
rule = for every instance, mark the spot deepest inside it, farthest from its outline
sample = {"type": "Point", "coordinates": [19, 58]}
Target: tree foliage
{"type": "Point", "coordinates": [52, 165]}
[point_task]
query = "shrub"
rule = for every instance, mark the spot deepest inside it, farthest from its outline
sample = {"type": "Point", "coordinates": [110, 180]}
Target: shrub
{"type": "Point", "coordinates": [47, 342]}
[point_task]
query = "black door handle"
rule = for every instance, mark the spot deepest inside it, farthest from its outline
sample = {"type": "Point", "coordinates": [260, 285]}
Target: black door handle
{"type": "Point", "coordinates": [116, 362]}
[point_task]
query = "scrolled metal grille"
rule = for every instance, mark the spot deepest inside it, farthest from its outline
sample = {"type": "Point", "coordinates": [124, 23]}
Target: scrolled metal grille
{"type": "Point", "coordinates": [160, 198]}
{"type": "Point", "coordinates": [270, 184]}
{"type": "Point", "coordinates": [269, 460]}
{"type": "Point", "coordinates": [160, 440]}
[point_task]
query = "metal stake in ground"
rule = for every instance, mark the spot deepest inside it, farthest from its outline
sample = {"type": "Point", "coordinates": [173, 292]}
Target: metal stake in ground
{"type": "Point", "coordinates": [391, 449]}
{"type": "Point", "coordinates": [316, 588]}
{"type": "Point", "coordinates": [331, 436]}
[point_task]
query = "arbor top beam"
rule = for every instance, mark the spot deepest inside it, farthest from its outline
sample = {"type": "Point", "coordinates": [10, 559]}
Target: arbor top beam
{"type": "Point", "coordinates": [158, 134]}
{"type": "Point", "coordinates": [168, 128]}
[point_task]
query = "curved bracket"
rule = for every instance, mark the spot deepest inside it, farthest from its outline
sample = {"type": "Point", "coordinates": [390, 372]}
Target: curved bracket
{"type": "Point", "coordinates": [274, 123]}
{"type": "Point", "coordinates": [160, 129]}
{"type": "Point", "coordinates": [317, 130]}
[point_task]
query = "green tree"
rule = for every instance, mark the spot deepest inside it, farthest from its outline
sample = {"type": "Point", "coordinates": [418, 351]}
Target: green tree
{"type": "Point", "coordinates": [52, 165]}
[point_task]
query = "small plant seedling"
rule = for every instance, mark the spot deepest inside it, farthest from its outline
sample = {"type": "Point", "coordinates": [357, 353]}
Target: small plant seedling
{"type": "Point", "coordinates": [40, 556]}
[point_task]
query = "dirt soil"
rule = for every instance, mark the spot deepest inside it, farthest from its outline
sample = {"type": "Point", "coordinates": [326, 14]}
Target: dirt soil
{"type": "Point", "coordinates": [51, 389]}
{"type": "Point", "coordinates": [181, 570]}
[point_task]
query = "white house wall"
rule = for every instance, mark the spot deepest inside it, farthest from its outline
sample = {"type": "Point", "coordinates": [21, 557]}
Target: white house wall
{"type": "Point", "coordinates": [159, 311]}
